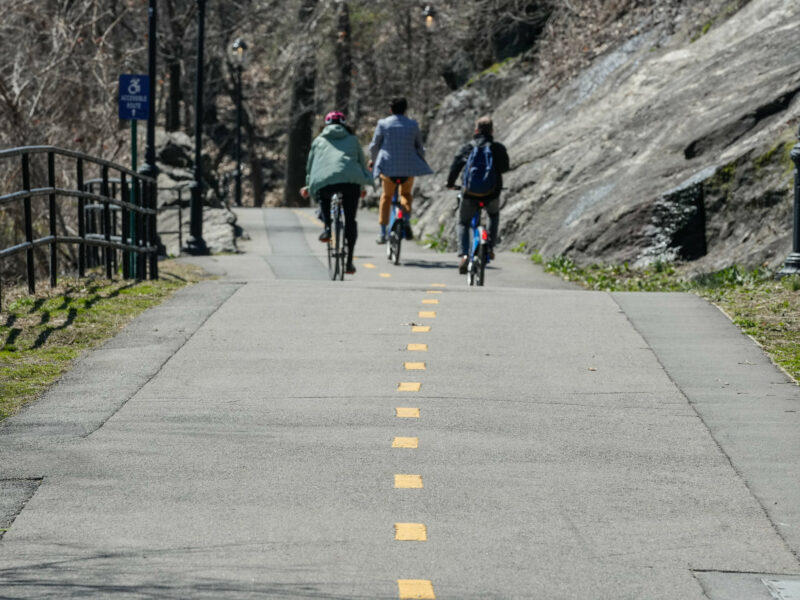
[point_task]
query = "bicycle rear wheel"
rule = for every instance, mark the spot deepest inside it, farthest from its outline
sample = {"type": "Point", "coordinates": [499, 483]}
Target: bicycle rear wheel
{"type": "Point", "coordinates": [395, 239]}
{"type": "Point", "coordinates": [480, 265]}
{"type": "Point", "coordinates": [335, 269]}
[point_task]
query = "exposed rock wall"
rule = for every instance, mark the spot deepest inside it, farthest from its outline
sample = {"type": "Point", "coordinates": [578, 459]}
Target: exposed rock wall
{"type": "Point", "coordinates": [664, 148]}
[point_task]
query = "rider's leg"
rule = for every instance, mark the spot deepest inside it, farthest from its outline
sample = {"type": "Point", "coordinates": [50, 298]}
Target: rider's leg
{"type": "Point", "coordinates": [406, 196]}
{"type": "Point", "coordinates": [352, 193]}
{"type": "Point", "coordinates": [493, 210]}
{"type": "Point", "coordinates": [465, 214]}
{"type": "Point", "coordinates": [325, 206]}
{"type": "Point", "coordinates": [385, 207]}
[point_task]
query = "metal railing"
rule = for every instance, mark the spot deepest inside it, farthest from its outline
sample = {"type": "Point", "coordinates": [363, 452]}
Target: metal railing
{"type": "Point", "coordinates": [102, 203]}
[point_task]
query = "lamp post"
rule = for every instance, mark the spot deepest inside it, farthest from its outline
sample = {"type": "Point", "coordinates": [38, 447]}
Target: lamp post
{"type": "Point", "coordinates": [195, 244]}
{"type": "Point", "coordinates": [429, 15]}
{"type": "Point", "coordinates": [239, 54]}
{"type": "Point", "coordinates": [149, 168]}
{"type": "Point", "coordinates": [792, 264]}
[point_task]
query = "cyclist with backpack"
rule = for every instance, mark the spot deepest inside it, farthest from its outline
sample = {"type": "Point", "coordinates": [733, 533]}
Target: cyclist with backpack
{"type": "Point", "coordinates": [337, 163]}
{"type": "Point", "coordinates": [484, 161]}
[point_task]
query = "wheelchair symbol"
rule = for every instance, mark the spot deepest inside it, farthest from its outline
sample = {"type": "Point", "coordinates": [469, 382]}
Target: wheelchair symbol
{"type": "Point", "coordinates": [135, 86]}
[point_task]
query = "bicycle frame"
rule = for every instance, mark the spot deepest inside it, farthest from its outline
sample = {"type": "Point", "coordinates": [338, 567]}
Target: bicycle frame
{"type": "Point", "coordinates": [337, 249]}
{"type": "Point", "coordinates": [478, 252]}
{"type": "Point", "coordinates": [397, 225]}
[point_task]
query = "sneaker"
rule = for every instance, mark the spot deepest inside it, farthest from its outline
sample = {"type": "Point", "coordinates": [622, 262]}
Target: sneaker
{"type": "Point", "coordinates": [381, 239]}
{"type": "Point", "coordinates": [325, 236]}
{"type": "Point", "coordinates": [350, 269]}
{"type": "Point", "coordinates": [462, 268]}
{"type": "Point", "coordinates": [409, 233]}
{"type": "Point", "coordinates": [491, 253]}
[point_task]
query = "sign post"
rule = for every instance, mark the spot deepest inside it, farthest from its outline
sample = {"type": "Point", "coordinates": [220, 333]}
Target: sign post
{"type": "Point", "coordinates": [134, 106]}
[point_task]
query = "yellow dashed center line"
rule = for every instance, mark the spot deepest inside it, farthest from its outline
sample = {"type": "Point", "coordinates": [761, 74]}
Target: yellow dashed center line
{"type": "Point", "coordinates": [434, 292]}
{"type": "Point", "coordinates": [410, 532]}
{"type": "Point", "coordinates": [415, 589]}
{"type": "Point", "coordinates": [386, 275]}
{"type": "Point", "coordinates": [430, 301]}
{"type": "Point", "coordinates": [420, 328]}
{"type": "Point", "coordinates": [408, 481]}
{"type": "Point", "coordinates": [409, 386]}
{"type": "Point", "coordinates": [368, 266]}
{"type": "Point", "coordinates": [405, 442]}
{"type": "Point", "coordinates": [427, 314]}
{"type": "Point", "coordinates": [407, 413]}
{"type": "Point", "coordinates": [417, 347]}
{"type": "Point", "coordinates": [414, 366]}
{"type": "Point", "coordinates": [439, 285]}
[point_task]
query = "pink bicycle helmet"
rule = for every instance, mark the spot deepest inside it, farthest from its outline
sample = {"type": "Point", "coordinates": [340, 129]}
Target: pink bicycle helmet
{"type": "Point", "coordinates": [335, 117]}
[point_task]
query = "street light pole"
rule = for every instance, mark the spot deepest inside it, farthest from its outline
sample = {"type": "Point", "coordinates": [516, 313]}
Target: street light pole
{"type": "Point", "coordinates": [792, 264]}
{"type": "Point", "coordinates": [195, 244]}
{"type": "Point", "coordinates": [239, 49]}
{"type": "Point", "coordinates": [149, 168]}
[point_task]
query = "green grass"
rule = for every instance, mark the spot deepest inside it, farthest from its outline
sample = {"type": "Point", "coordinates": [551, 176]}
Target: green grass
{"type": "Point", "coordinates": [41, 335]}
{"type": "Point", "coordinates": [764, 308]}
{"type": "Point", "coordinates": [437, 241]}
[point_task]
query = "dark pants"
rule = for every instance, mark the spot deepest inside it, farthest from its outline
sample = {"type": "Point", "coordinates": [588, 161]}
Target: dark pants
{"type": "Point", "coordinates": [469, 204]}
{"type": "Point", "coordinates": [351, 192]}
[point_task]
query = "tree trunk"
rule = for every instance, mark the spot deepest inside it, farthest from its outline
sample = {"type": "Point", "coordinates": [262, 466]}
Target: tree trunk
{"type": "Point", "coordinates": [344, 59]}
{"type": "Point", "coordinates": [174, 97]}
{"type": "Point", "coordinates": [301, 117]}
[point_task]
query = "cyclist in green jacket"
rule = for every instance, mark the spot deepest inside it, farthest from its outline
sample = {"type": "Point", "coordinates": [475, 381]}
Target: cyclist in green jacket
{"type": "Point", "coordinates": [336, 163]}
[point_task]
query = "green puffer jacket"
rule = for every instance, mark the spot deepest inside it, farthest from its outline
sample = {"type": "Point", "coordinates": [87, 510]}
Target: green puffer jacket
{"type": "Point", "coordinates": [335, 157]}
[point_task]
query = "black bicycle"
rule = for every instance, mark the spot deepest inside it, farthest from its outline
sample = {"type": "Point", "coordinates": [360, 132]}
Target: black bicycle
{"type": "Point", "coordinates": [337, 248]}
{"type": "Point", "coordinates": [397, 225]}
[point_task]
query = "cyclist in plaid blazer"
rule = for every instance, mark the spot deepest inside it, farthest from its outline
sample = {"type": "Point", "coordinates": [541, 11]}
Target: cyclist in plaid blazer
{"type": "Point", "coordinates": [397, 153]}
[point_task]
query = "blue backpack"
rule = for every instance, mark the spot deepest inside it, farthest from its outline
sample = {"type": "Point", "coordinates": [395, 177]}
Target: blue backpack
{"type": "Point", "coordinates": [480, 178]}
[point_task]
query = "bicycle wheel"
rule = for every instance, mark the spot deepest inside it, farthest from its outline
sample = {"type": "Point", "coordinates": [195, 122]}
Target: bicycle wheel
{"type": "Point", "coordinates": [480, 265]}
{"type": "Point", "coordinates": [395, 239]}
{"type": "Point", "coordinates": [338, 241]}
{"type": "Point", "coordinates": [342, 259]}
{"type": "Point", "coordinates": [330, 257]}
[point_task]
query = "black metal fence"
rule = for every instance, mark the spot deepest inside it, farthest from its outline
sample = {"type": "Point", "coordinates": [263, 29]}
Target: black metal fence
{"type": "Point", "coordinates": [115, 215]}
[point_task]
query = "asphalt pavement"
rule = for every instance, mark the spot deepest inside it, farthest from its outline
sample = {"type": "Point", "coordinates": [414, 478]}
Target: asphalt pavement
{"type": "Point", "coordinates": [274, 434]}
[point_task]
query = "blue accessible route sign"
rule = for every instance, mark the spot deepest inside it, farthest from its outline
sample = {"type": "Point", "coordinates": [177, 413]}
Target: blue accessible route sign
{"type": "Point", "coordinates": [134, 97]}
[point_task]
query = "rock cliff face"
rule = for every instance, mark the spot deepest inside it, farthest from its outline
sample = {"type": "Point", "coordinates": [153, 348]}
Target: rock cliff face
{"type": "Point", "coordinates": [666, 148]}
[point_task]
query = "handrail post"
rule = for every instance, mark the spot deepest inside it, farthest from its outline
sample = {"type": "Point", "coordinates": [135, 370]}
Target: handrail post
{"type": "Point", "coordinates": [126, 217]}
{"type": "Point", "coordinates": [81, 222]}
{"type": "Point", "coordinates": [106, 223]}
{"type": "Point", "coordinates": [26, 185]}
{"type": "Point", "coordinates": [141, 264]}
{"type": "Point", "coordinates": [153, 235]}
{"type": "Point", "coordinates": [792, 264]}
{"type": "Point", "coordinates": [51, 181]}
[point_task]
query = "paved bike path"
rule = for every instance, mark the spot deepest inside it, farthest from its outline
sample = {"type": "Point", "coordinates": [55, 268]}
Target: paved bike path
{"type": "Point", "coordinates": [569, 444]}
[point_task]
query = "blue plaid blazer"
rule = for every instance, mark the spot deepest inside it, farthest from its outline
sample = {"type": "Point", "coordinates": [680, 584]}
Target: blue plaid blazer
{"type": "Point", "coordinates": [396, 148]}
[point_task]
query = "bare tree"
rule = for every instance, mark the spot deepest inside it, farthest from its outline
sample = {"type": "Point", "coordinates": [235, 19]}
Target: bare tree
{"type": "Point", "coordinates": [301, 112]}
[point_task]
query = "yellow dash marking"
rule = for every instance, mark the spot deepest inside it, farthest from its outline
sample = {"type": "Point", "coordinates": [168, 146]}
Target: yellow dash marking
{"type": "Point", "coordinates": [405, 442]}
{"type": "Point", "coordinates": [409, 386]}
{"type": "Point", "coordinates": [408, 481]}
{"type": "Point", "coordinates": [434, 292]}
{"type": "Point", "coordinates": [420, 328]}
{"type": "Point", "coordinates": [410, 532]}
{"type": "Point", "coordinates": [415, 589]}
{"type": "Point", "coordinates": [407, 413]}
{"type": "Point", "coordinates": [430, 301]}
{"type": "Point", "coordinates": [414, 366]}
{"type": "Point", "coordinates": [423, 314]}
{"type": "Point", "coordinates": [439, 285]}
{"type": "Point", "coordinates": [417, 347]}
{"type": "Point", "coordinates": [386, 275]}
{"type": "Point", "coordinates": [369, 266]}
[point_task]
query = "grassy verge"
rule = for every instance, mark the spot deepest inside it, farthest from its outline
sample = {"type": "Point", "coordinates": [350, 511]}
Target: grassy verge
{"type": "Point", "coordinates": [41, 335]}
{"type": "Point", "coordinates": [764, 308]}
